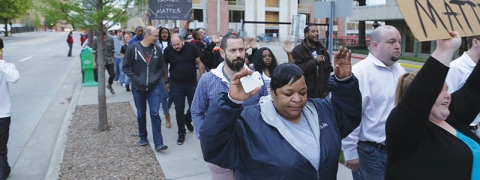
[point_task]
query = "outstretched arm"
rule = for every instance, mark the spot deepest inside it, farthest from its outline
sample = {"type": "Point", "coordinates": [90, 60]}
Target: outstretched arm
{"type": "Point", "coordinates": [288, 49]}
{"type": "Point", "coordinates": [409, 119]}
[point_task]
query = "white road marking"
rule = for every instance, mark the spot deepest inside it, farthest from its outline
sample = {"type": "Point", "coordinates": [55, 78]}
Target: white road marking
{"type": "Point", "coordinates": [27, 58]}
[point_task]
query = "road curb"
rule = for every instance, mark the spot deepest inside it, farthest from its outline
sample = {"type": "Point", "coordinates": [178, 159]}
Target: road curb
{"type": "Point", "coordinates": [57, 156]}
{"type": "Point", "coordinates": [410, 65]}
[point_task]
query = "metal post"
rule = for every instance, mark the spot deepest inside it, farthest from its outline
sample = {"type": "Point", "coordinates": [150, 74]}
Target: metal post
{"type": "Point", "coordinates": [205, 10]}
{"type": "Point", "coordinates": [297, 30]}
{"type": "Point", "coordinates": [243, 28]}
{"type": "Point", "coordinates": [330, 31]}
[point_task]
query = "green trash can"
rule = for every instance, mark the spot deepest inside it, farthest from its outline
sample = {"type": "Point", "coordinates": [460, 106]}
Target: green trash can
{"type": "Point", "coordinates": [87, 63]}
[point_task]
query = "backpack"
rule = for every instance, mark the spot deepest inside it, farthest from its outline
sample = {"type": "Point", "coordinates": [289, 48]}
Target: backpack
{"type": "Point", "coordinates": [69, 39]}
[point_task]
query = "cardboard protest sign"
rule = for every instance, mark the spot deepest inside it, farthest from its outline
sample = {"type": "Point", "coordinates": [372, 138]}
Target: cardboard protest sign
{"type": "Point", "coordinates": [433, 19]}
{"type": "Point", "coordinates": [170, 9]}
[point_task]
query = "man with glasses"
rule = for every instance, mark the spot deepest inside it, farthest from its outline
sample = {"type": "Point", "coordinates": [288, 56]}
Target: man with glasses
{"type": "Point", "coordinates": [143, 63]}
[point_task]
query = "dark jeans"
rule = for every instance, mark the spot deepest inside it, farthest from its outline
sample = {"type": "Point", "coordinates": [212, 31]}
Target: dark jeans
{"type": "Point", "coordinates": [70, 48]}
{"type": "Point", "coordinates": [164, 98]}
{"type": "Point", "coordinates": [4, 132]}
{"type": "Point", "coordinates": [373, 161]}
{"type": "Point", "coordinates": [111, 73]}
{"type": "Point", "coordinates": [153, 98]}
{"type": "Point", "coordinates": [356, 175]}
{"type": "Point", "coordinates": [178, 91]}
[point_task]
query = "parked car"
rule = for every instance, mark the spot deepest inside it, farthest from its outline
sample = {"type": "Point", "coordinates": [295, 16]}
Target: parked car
{"type": "Point", "coordinates": [264, 38]}
{"type": "Point", "coordinates": [2, 31]}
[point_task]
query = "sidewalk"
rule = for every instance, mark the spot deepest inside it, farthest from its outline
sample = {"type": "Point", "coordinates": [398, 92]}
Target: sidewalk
{"type": "Point", "coordinates": [180, 162]}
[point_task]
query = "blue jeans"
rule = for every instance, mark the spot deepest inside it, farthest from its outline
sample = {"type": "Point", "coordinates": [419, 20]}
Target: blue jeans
{"type": "Point", "coordinates": [164, 97]}
{"type": "Point", "coordinates": [373, 161]}
{"type": "Point", "coordinates": [153, 98]}
{"type": "Point", "coordinates": [357, 175]}
{"type": "Point", "coordinates": [118, 70]}
{"type": "Point", "coordinates": [178, 91]}
{"type": "Point", "coordinates": [127, 80]}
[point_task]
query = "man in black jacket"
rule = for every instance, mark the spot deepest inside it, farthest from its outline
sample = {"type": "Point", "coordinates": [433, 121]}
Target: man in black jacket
{"type": "Point", "coordinates": [143, 63]}
{"type": "Point", "coordinates": [314, 60]}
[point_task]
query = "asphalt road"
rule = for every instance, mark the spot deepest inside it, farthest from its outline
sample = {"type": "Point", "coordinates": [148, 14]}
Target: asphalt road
{"type": "Point", "coordinates": [40, 98]}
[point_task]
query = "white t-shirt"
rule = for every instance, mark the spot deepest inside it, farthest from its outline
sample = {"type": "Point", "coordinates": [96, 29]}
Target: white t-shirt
{"type": "Point", "coordinates": [266, 81]}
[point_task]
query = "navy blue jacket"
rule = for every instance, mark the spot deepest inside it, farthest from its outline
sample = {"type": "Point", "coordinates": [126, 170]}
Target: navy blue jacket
{"type": "Point", "coordinates": [236, 138]}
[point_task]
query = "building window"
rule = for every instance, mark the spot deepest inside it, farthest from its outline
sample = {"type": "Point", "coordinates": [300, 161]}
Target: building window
{"type": "Point", "coordinates": [426, 47]}
{"type": "Point", "coordinates": [271, 3]}
{"type": "Point", "coordinates": [271, 17]}
{"type": "Point", "coordinates": [196, 2]}
{"type": "Point", "coordinates": [198, 14]}
{"type": "Point", "coordinates": [232, 2]}
{"type": "Point", "coordinates": [409, 41]}
{"type": "Point", "coordinates": [236, 16]}
{"type": "Point", "coordinates": [352, 26]}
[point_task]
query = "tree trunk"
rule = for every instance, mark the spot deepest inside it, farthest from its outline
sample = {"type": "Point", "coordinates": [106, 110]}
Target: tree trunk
{"type": "Point", "coordinates": [90, 38]}
{"type": "Point", "coordinates": [361, 29]}
{"type": "Point", "coordinates": [102, 98]}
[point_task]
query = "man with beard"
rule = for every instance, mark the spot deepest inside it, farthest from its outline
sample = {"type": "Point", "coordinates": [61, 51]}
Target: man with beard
{"type": "Point", "coordinates": [183, 58]}
{"type": "Point", "coordinates": [217, 81]}
{"type": "Point", "coordinates": [138, 37]}
{"type": "Point", "coordinates": [314, 60]}
{"type": "Point", "coordinates": [377, 76]}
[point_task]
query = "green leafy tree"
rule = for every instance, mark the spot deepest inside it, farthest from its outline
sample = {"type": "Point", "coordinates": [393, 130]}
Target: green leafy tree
{"type": "Point", "coordinates": [90, 15]}
{"type": "Point", "coordinates": [11, 9]}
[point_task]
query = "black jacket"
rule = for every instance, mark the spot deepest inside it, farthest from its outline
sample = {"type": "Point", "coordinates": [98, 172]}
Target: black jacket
{"type": "Point", "coordinates": [417, 149]}
{"type": "Point", "coordinates": [316, 78]}
{"type": "Point", "coordinates": [211, 58]}
{"type": "Point", "coordinates": [143, 76]}
{"type": "Point", "coordinates": [251, 141]}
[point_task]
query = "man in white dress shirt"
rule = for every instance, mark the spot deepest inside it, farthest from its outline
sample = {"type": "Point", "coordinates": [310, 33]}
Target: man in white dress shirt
{"type": "Point", "coordinates": [8, 74]}
{"type": "Point", "coordinates": [377, 76]}
{"type": "Point", "coordinates": [461, 68]}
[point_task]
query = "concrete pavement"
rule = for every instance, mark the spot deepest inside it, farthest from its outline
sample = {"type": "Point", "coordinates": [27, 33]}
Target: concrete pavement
{"type": "Point", "coordinates": [182, 162]}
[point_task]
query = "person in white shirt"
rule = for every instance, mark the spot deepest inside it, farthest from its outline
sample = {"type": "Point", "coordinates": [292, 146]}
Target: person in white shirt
{"type": "Point", "coordinates": [377, 75]}
{"type": "Point", "coordinates": [8, 74]}
{"type": "Point", "coordinates": [460, 70]}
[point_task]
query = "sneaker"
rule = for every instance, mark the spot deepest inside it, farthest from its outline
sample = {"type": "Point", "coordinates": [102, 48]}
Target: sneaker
{"type": "Point", "coordinates": [127, 87]}
{"type": "Point", "coordinates": [109, 87]}
{"type": "Point", "coordinates": [115, 82]}
{"type": "Point", "coordinates": [123, 85]}
{"type": "Point", "coordinates": [161, 148]}
{"type": "Point", "coordinates": [142, 142]}
{"type": "Point", "coordinates": [190, 127]}
{"type": "Point", "coordinates": [181, 139]}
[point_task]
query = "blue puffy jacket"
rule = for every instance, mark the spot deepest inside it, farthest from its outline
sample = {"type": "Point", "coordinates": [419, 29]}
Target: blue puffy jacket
{"type": "Point", "coordinates": [250, 140]}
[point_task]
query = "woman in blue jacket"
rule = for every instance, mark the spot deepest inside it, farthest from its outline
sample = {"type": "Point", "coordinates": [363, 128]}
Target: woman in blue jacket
{"type": "Point", "coordinates": [285, 136]}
